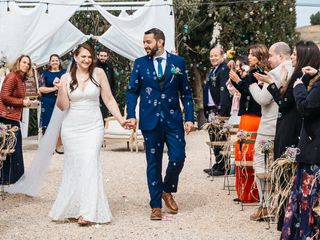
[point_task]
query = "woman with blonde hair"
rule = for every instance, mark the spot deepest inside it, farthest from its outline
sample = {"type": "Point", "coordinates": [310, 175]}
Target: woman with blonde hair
{"type": "Point", "coordinates": [12, 100]}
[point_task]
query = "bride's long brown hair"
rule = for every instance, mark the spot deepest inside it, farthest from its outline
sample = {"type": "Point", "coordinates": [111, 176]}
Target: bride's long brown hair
{"type": "Point", "coordinates": [73, 68]}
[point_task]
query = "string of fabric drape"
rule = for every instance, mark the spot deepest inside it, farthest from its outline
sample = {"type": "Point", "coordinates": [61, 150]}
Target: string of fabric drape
{"type": "Point", "coordinates": [38, 32]}
{"type": "Point", "coordinates": [125, 35]}
{"type": "Point", "coordinates": [45, 29]}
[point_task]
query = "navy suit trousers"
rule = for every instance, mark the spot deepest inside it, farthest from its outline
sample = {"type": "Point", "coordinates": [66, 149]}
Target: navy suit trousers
{"type": "Point", "coordinates": [154, 140]}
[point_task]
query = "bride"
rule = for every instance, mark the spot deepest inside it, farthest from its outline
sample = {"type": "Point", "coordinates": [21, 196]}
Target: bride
{"type": "Point", "coordinates": [81, 195]}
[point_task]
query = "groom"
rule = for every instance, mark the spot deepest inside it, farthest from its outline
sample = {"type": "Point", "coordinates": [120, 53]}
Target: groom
{"type": "Point", "coordinates": [160, 80]}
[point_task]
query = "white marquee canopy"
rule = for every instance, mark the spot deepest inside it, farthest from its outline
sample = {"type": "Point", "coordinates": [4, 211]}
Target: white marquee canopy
{"type": "Point", "coordinates": [43, 28]}
{"type": "Point", "coordinates": [39, 33]}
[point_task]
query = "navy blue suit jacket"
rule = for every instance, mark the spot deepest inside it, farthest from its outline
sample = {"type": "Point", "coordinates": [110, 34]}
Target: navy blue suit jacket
{"type": "Point", "coordinates": [156, 100]}
{"type": "Point", "coordinates": [308, 105]}
{"type": "Point", "coordinates": [216, 83]}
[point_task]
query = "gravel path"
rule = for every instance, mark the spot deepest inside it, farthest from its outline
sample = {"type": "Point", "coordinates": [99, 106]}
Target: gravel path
{"type": "Point", "coordinates": [206, 210]}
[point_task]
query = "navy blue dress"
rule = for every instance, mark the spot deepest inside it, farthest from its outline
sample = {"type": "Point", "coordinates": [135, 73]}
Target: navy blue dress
{"type": "Point", "coordinates": [48, 100]}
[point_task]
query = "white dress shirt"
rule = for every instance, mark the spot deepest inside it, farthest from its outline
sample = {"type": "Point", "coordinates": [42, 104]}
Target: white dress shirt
{"type": "Point", "coordinates": [210, 99]}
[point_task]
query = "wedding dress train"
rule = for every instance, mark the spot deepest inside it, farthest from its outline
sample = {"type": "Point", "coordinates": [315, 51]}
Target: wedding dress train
{"type": "Point", "coordinates": [81, 192]}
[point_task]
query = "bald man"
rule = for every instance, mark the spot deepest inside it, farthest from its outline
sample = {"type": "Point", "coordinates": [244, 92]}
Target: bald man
{"type": "Point", "coordinates": [217, 101]}
{"type": "Point", "coordinates": [279, 58]}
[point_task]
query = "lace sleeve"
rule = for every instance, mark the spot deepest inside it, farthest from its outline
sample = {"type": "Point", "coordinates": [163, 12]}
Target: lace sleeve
{"type": "Point", "coordinates": [42, 82]}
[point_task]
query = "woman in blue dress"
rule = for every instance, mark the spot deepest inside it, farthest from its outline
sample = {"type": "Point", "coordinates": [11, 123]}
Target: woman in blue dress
{"type": "Point", "coordinates": [49, 93]}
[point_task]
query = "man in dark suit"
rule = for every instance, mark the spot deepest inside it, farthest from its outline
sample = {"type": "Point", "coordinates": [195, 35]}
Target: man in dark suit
{"type": "Point", "coordinates": [217, 101]}
{"type": "Point", "coordinates": [160, 80]}
{"type": "Point", "coordinates": [104, 63]}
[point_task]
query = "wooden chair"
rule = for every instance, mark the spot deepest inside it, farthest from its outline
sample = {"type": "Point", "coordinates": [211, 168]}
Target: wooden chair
{"type": "Point", "coordinates": [246, 166]}
{"type": "Point", "coordinates": [115, 132]}
{"type": "Point", "coordinates": [266, 178]}
{"type": "Point", "coordinates": [138, 138]}
{"type": "Point", "coordinates": [137, 134]}
{"type": "Point", "coordinates": [216, 140]}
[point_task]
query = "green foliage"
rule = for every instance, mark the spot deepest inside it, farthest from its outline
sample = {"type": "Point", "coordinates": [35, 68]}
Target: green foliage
{"type": "Point", "coordinates": [315, 18]}
{"type": "Point", "coordinates": [240, 25]}
{"type": "Point", "coordinates": [90, 22]}
{"type": "Point", "coordinates": [247, 23]}
{"type": "Point", "coordinates": [193, 35]}
{"type": "Point", "coordinates": [122, 70]}
{"type": "Point", "coordinates": [33, 123]}
{"type": "Point", "coordinates": [194, 30]}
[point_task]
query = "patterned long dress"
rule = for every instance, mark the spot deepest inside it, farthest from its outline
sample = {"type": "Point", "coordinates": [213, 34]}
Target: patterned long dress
{"type": "Point", "coordinates": [301, 221]}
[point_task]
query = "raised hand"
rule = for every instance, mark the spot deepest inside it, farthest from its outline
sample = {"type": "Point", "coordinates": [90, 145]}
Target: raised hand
{"type": "Point", "coordinates": [26, 102]}
{"type": "Point", "coordinates": [57, 82]}
{"type": "Point", "coordinates": [309, 70]}
{"type": "Point", "coordinates": [232, 65]}
{"type": "Point", "coordinates": [266, 78]}
{"type": "Point", "coordinates": [283, 75]}
{"type": "Point", "coordinates": [234, 76]}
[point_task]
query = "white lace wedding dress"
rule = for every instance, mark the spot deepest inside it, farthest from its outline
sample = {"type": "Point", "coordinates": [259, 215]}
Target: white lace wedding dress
{"type": "Point", "coordinates": [81, 192]}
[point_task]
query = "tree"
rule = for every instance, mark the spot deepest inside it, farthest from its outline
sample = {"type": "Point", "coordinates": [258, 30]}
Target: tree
{"type": "Point", "coordinates": [315, 18]}
{"type": "Point", "coordinates": [193, 36]}
{"type": "Point", "coordinates": [240, 24]}
{"type": "Point", "coordinates": [251, 22]}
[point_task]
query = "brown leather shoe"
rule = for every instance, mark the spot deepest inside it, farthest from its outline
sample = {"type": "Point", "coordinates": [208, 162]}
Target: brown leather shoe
{"type": "Point", "coordinates": [259, 214]}
{"type": "Point", "coordinates": [155, 214]}
{"type": "Point", "coordinates": [268, 214]}
{"type": "Point", "coordinates": [170, 202]}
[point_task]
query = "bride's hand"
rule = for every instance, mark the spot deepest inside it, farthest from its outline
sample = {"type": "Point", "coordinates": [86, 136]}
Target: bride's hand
{"type": "Point", "coordinates": [130, 123]}
{"type": "Point", "coordinates": [126, 124]}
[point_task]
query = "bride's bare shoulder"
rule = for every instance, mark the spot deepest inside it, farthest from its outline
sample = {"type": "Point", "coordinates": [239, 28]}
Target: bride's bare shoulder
{"type": "Point", "coordinates": [64, 76]}
{"type": "Point", "coordinates": [101, 75]}
{"type": "Point", "coordinates": [99, 71]}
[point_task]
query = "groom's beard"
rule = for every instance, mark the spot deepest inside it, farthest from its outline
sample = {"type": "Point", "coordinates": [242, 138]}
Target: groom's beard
{"type": "Point", "coordinates": [153, 51]}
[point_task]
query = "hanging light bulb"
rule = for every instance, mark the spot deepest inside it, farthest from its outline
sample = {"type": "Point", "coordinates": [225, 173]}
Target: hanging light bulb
{"type": "Point", "coordinates": [8, 9]}
{"type": "Point", "coordinates": [47, 10]}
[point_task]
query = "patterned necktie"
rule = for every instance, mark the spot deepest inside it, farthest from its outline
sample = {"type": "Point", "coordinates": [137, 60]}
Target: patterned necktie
{"type": "Point", "coordinates": [160, 71]}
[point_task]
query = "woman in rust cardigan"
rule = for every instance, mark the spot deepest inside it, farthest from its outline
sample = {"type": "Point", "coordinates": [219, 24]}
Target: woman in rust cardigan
{"type": "Point", "coordinates": [12, 101]}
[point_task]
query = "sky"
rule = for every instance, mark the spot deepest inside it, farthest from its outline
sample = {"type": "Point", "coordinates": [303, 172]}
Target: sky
{"type": "Point", "coordinates": [304, 12]}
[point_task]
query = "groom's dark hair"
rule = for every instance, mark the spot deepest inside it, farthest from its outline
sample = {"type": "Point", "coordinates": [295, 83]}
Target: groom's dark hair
{"type": "Point", "coordinates": [158, 34]}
